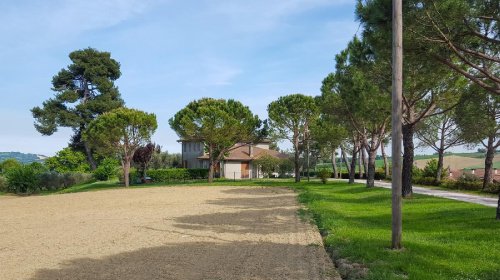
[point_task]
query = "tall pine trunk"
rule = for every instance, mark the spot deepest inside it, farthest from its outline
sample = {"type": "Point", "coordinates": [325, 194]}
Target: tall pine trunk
{"type": "Point", "coordinates": [365, 161]}
{"type": "Point", "coordinates": [439, 173]}
{"type": "Point", "coordinates": [334, 165]}
{"type": "Point", "coordinates": [90, 157]}
{"type": "Point", "coordinates": [384, 156]}
{"type": "Point", "coordinates": [344, 156]}
{"type": "Point", "coordinates": [126, 171]}
{"type": "Point", "coordinates": [370, 178]}
{"type": "Point", "coordinates": [360, 163]}
{"type": "Point", "coordinates": [352, 171]}
{"type": "Point", "coordinates": [488, 162]}
{"type": "Point", "coordinates": [296, 157]}
{"type": "Point", "coordinates": [408, 155]}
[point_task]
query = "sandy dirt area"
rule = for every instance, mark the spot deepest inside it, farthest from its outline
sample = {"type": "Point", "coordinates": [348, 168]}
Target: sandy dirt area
{"type": "Point", "coordinates": [160, 233]}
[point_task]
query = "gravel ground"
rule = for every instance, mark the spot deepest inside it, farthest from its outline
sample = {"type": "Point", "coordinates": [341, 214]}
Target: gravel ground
{"type": "Point", "coordinates": [160, 233]}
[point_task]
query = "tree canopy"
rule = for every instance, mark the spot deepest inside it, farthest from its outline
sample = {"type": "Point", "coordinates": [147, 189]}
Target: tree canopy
{"type": "Point", "coordinates": [219, 124]}
{"type": "Point", "coordinates": [290, 117]}
{"type": "Point", "coordinates": [83, 90]}
{"type": "Point", "coordinates": [120, 133]}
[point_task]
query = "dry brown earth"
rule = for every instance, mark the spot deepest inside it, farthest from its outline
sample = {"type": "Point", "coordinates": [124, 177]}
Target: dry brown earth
{"type": "Point", "coordinates": [160, 233]}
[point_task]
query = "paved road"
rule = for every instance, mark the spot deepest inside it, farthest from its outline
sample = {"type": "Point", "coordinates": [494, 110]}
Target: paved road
{"type": "Point", "coordinates": [487, 201]}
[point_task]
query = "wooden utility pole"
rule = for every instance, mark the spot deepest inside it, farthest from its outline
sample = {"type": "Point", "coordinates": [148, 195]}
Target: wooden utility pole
{"type": "Point", "coordinates": [397, 97]}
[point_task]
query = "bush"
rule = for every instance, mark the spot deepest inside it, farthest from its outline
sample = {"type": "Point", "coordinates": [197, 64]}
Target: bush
{"type": "Point", "coordinates": [106, 169]}
{"type": "Point", "coordinates": [324, 174]}
{"type": "Point", "coordinates": [428, 181]}
{"type": "Point", "coordinates": [171, 174]}
{"type": "Point", "coordinates": [8, 164]}
{"type": "Point", "coordinates": [54, 181]}
{"type": "Point", "coordinates": [165, 175]}
{"type": "Point", "coordinates": [198, 173]}
{"type": "Point", "coordinates": [23, 180]}
{"type": "Point", "coordinates": [3, 184]}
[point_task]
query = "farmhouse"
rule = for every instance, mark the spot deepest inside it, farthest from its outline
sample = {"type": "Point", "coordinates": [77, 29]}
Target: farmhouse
{"type": "Point", "coordinates": [238, 164]}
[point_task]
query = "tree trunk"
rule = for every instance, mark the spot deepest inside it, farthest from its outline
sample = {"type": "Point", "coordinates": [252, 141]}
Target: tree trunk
{"type": "Point", "coordinates": [352, 171]}
{"type": "Point", "coordinates": [408, 154]}
{"type": "Point", "coordinates": [360, 163]}
{"type": "Point", "coordinates": [211, 167]}
{"type": "Point", "coordinates": [90, 158]}
{"type": "Point", "coordinates": [297, 163]}
{"type": "Point", "coordinates": [344, 156]}
{"type": "Point", "coordinates": [488, 163]}
{"type": "Point", "coordinates": [365, 161]}
{"type": "Point", "coordinates": [334, 165]}
{"type": "Point", "coordinates": [370, 178]}
{"type": "Point", "coordinates": [126, 171]}
{"type": "Point", "coordinates": [386, 165]}
{"type": "Point", "coordinates": [439, 174]}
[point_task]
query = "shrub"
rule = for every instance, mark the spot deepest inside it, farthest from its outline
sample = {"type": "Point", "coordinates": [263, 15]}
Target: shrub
{"type": "Point", "coordinates": [106, 169]}
{"type": "Point", "coordinates": [428, 181]}
{"type": "Point", "coordinates": [324, 174]}
{"type": "Point", "coordinates": [9, 164]}
{"type": "Point", "coordinates": [3, 184]}
{"type": "Point", "coordinates": [54, 181]}
{"type": "Point", "coordinates": [198, 173]}
{"type": "Point", "coordinates": [23, 179]}
{"type": "Point", "coordinates": [165, 175]}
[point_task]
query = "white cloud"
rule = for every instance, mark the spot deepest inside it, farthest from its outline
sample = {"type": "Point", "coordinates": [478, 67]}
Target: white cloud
{"type": "Point", "coordinates": [43, 23]}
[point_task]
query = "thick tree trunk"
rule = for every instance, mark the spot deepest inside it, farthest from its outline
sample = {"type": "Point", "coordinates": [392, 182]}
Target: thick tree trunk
{"type": "Point", "coordinates": [386, 165]}
{"type": "Point", "coordinates": [211, 171]}
{"type": "Point", "coordinates": [439, 173]}
{"type": "Point", "coordinates": [126, 171]}
{"type": "Point", "coordinates": [352, 171]}
{"type": "Point", "coordinates": [488, 163]}
{"type": "Point", "coordinates": [297, 163]}
{"type": "Point", "coordinates": [360, 163]}
{"type": "Point", "coordinates": [90, 157]}
{"type": "Point", "coordinates": [370, 178]}
{"type": "Point", "coordinates": [365, 161]}
{"type": "Point", "coordinates": [408, 155]}
{"type": "Point", "coordinates": [334, 165]}
{"type": "Point", "coordinates": [344, 156]}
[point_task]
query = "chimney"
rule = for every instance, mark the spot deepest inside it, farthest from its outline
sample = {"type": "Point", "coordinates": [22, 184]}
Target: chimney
{"type": "Point", "coordinates": [250, 150]}
{"type": "Point", "coordinates": [473, 171]}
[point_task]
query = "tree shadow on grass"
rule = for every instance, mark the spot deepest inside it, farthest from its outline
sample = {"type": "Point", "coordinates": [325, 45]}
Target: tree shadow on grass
{"type": "Point", "coordinates": [201, 260]}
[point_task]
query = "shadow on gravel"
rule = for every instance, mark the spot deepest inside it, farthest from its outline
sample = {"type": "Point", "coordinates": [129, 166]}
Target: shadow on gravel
{"type": "Point", "coordinates": [234, 260]}
{"type": "Point", "coordinates": [270, 221]}
{"type": "Point", "coordinates": [255, 214]}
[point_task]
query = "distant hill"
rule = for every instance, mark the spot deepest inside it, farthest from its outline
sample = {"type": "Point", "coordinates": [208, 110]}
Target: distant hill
{"type": "Point", "coordinates": [22, 157]}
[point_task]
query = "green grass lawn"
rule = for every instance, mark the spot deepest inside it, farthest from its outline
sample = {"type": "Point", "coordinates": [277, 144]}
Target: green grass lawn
{"type": "Point", "coordinates": [443, 239]}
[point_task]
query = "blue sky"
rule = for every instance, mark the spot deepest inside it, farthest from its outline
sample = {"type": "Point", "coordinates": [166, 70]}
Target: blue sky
{"type": "Point", "coordinates": [171, 52]}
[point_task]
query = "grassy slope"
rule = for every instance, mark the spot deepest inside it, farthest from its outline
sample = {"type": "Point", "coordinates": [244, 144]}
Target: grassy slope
{"type": "Point", "coordinates": [443, 239]}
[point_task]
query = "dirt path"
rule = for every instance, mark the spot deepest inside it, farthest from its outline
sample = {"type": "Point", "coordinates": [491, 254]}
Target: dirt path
{"type": "Point", "coordinates": [487, 201]}
{"type": "Point", "coordinates": [160, 233]}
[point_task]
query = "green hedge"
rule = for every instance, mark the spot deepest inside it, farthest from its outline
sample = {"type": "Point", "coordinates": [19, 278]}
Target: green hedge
{"type": "Point", "coordinates": [171, 174]}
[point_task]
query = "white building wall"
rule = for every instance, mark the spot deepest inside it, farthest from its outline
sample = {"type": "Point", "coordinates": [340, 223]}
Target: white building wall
{"type": "Point", "coordinates": [232, 169]}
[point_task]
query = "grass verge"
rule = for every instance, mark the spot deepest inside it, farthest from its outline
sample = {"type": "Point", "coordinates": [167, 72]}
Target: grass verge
{"type": "Point", "coordinates": [443, 239]}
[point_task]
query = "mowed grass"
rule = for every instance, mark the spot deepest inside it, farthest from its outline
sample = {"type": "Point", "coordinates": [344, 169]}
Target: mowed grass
{"type": "Point", "coordinates": [443, 239]}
